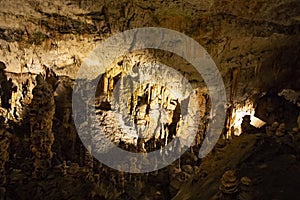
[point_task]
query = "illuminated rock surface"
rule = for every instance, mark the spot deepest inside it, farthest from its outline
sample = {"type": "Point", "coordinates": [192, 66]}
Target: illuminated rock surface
{"type": "Point", "coordinates": [255, 45]}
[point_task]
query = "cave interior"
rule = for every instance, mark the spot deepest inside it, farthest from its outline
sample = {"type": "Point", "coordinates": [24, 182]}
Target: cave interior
{"type": "Point", "coordinates": [149, 100]}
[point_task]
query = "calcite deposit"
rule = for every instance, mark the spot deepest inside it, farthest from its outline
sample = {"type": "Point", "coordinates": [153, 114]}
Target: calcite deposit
{"type": "Point", "coordinates": [148, 99]}
{"type": "Point", "coordinates": [4, 147]}
{"type": "Point", "coordinates": [41, 114]}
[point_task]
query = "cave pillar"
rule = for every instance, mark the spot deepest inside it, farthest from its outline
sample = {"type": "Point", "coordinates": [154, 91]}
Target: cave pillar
{"type": "Point", "coordinates": [4, 156]}
{"type": "Point", "coordinates": [42, 110]}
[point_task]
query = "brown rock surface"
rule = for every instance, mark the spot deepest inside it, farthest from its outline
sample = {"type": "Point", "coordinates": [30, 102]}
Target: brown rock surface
{"type": "Point", "coordinates": [255, 45]}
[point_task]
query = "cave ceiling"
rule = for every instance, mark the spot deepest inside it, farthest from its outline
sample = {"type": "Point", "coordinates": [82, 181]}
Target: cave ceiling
{"type": "Point", "coordinates": [259, 38]}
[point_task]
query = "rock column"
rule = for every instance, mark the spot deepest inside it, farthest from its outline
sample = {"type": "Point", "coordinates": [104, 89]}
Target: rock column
{"type": "Point", "coordinates": [42, 110]}
{"type": "Point", "coordinates": [4, 156]}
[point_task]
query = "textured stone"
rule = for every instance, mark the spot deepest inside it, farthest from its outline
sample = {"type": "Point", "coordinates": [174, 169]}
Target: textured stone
{"type": "Point", "coordinates": [255, 45]}
{"type": "Point", "coordinates": [229, 183]}
{"type": "Point", "coordinates": [246, 126]}
{"type": "Point", "coordinates": [4, 155]}
{"type": "Point", "coordinates": [281, 131]}
{"type": "Point", "coordinates": [246, 192]}
{"type": "Point", "coordinates": [42, 110]}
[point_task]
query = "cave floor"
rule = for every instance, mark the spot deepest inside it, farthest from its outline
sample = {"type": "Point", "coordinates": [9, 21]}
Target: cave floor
{"type": "Point", "coordinates": [272, 163]}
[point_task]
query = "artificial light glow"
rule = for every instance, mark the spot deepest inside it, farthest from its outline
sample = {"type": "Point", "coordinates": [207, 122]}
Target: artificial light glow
{"type": "Point", "coordinates": [237, 118]}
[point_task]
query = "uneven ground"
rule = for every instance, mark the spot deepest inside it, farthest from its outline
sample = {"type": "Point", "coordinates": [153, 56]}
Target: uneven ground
{"type": "Point", "coordinates": [255, 45]}
{"type": "Point", "coordinates": [271, 163]}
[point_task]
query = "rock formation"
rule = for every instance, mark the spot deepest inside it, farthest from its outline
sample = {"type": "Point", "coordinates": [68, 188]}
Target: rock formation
{"type": "Point", "coordinates": [246, 190]}
{"type": "Point", "coordinates": [4, 148]}
{"type": "Point", "coordinates": [141, 103]}
{"type": "Point", "coordinates": [229, 183]}
{"type": "Point", "coordinates": [42, 110]}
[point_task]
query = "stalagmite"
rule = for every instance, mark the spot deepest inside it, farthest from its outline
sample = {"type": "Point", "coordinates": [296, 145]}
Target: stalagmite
{"type": "Point", "coordinates": [246, 192]}
{"type": "Point", "coordinates": [229, 183]}
{"type": "Point", "coordinates": [162, 83]}
{"type": "Point", "coordinates": [4, 156]}
{"type": "Point", "coordinates": [42, 110]}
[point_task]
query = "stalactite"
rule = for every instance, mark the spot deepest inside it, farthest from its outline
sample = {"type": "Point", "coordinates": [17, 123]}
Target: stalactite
{"type": "Point", "coordinates": [105, 84]}
{"type": "Point", "coordinates": [228, 122]}
{"type": "Point", "coordinates": [167, 135]}
{"type": "Point", "coordinates": [111, 84]}
{"type": "Point", "coordinates": [235, 75]}
{"type": "Point", "coordinates": [162, 136]}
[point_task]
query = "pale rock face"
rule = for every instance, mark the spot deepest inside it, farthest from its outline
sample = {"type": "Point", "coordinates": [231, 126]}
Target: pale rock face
{"type": "Point", "coordinates": [151, 101]}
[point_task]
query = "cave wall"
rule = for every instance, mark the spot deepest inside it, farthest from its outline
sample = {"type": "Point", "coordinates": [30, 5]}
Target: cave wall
{"type": "Point", "coordinates": [254, 44]}
{"type": "Point", "coordinates": [244, 38]}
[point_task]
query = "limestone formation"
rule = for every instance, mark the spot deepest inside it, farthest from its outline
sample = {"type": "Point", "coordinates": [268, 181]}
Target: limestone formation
{"type": "Point", "coordinates": [188, 169]}
{"type": "Point", "coordinates": [246, 126]}
{"type": "Point", "coordinates": [147, 115]}
{"type": "Point", "coordinates": [281, 131]}
{"type": "Point", "coordinates": [4, 156]}
{"type": "Point", "coordinates": [246, 190]}
{"type": "Point", "coordinates": [179, 179]}
{"type": "Point", "coordinates": [42, 110]}
{"type": "Point", "coordinates": [142, 106]}
{"type": "Point", "coordinates": [6, 88]}
{"type": "Point", "coordinates": [229, 183]}
{"type": "Point", "coordinates": [73, 169]}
